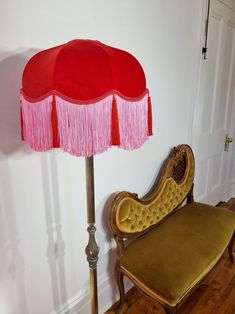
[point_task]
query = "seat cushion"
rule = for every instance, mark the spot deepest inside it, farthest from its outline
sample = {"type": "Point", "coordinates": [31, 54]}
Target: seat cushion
{"type": "Point", "coordinates": [171, 258]}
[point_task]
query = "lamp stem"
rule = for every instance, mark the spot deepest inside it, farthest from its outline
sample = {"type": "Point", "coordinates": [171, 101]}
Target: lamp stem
{"type": "Point", "coordinates": [92, 249]}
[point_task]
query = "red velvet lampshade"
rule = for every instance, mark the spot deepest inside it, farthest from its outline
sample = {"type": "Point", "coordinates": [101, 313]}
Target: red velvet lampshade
{"type": "Point", "coordinates": [84, 97]}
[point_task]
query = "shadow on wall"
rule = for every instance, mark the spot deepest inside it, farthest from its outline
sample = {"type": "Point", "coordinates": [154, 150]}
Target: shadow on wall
{"type": "Point", "coordinates": [12, 274]}
{"type": "Point", "coordinates": [12, 261]}
{"type": "Point", "coordinates": [11, 68]}
{"type": "Point", "coordinates": [12, 268]}
{"type": "Point", "coordinates": [56, 244]}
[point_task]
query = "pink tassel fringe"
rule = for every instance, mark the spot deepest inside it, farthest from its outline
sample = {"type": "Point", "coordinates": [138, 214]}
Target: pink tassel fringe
{"type": "Point", "coordinates": [37, 129]}
{"type": "Point", "coordinates": [85, 130]}
{"type": "Point", "coordinates": [133, 122]}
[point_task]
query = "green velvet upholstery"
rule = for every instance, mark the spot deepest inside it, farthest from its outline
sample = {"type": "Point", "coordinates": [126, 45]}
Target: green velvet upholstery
{"type": "Point", "coordinates": [171, 258]}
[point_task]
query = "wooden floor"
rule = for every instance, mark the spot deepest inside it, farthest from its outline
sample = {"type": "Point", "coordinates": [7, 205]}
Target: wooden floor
{"type": "Point", "coordinates": [216, 298]}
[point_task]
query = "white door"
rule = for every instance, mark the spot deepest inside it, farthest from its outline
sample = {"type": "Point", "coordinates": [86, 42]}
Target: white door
{"type": "Point", "coordinates": [214, 108]}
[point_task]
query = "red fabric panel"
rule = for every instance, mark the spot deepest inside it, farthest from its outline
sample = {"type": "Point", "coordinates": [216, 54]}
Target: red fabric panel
{"type": "Point", "coordinates": [150, 120]}
{"type": "Point", "coordinates": [128, 75]}
{"type": "Point", "coordinates": [115, 124]}
{"type": "Point", "coordinates": [54, 123]}
{"type": "Point", "coordinates": [83, 70]}
{"type": "Point", "coordinates": [22, 124]}
{"type": "Point", "coordinates": [38, 76]}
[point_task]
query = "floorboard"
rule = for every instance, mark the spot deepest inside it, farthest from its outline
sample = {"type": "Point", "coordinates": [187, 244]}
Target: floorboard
{"type": "Point", "coordinates": [218, 297]}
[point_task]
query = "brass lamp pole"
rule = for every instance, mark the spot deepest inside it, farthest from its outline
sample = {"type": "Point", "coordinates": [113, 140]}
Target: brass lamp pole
{"type": "Point", "coordinates": [92, 249]}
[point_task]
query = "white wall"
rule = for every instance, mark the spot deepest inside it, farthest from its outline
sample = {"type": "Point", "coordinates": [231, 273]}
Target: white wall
{"type": "Point", "coordinates": [42, 196]}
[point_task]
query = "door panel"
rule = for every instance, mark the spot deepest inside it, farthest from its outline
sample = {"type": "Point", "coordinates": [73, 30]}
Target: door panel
{"type": "Point", "coordinates": [214, 106]}
{"type": "Point", "coordinates": [202, 169]}
{"type": "Point", "coordinates": [211, 70]}
{"type": "Point", "coordinates": [222, 112]}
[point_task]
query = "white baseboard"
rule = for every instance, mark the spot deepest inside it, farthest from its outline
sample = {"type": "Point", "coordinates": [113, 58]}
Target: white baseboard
{"type": "Point", "coordinates": [231, 191]}
{"type": "Point", "coordinates": [232, 194]}
{"type": "Point", "coordinates": [107, 293]}
{"type": "Point", "coordinates": [107, 296]}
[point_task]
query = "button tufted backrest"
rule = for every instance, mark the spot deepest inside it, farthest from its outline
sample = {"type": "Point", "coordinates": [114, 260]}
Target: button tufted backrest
{"type": "Point", "coordinates": [130, 215]}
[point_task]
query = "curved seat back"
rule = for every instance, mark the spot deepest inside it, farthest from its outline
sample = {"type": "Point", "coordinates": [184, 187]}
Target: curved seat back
{"type": "Point", "coordinates": [130, 215]}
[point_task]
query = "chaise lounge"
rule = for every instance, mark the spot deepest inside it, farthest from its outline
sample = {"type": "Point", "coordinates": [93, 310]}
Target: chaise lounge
{"type": "Point", "coordinates": [173, 242]}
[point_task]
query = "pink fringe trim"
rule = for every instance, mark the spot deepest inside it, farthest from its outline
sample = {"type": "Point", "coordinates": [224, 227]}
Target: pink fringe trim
{"type": "Point", "coordinates": [36, 124]}
{"type": "Point", "coordinates": [85, 130]}
{"type": "Point", "coordinates": [133, 122]}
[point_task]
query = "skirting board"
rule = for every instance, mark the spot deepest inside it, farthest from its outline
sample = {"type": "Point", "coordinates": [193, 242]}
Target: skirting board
{"type": "Point", "coordinates": [107, 294]}
{"type": "Point", "coordinates": [232, 189]}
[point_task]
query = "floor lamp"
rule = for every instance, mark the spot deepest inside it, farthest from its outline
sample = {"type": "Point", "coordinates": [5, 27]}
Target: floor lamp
{"type": "Point", "coordinates": [84, 97]}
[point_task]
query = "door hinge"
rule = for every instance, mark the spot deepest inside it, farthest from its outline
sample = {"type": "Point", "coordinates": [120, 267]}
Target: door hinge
{"type": "Point", "coordinates": [205, 47]}
{"type": "Point", "coordinates": [228, 140]}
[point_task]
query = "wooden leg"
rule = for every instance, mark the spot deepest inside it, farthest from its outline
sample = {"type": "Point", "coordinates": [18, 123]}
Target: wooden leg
{"type": "Point", "coordinates": [230, 248]}
{"type": "Point", "coordinates": [120, 284]}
